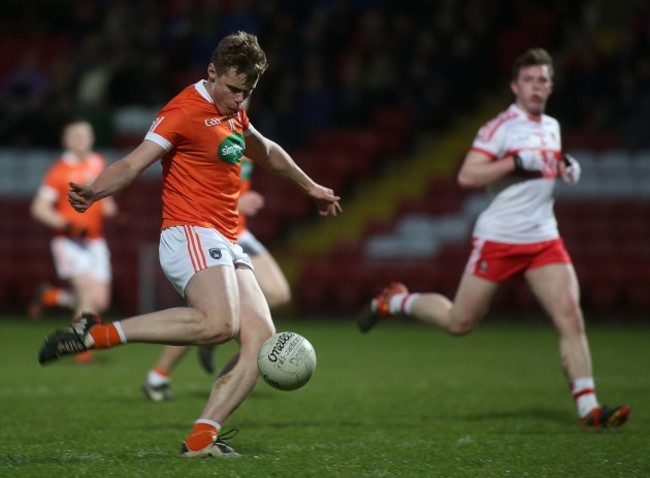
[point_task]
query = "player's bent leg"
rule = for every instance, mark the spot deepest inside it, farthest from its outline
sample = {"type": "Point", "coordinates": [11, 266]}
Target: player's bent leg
{"type": "Point", "coordinates": [219, 304]}
{"type": "Point", "coordinates": [470, 305]}
{"type": "Point", "coordinates": [240, 374]}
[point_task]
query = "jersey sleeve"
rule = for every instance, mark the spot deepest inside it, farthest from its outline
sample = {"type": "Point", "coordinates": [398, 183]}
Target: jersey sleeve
{"type": "Point", "coordinates": [490, 139]}
{"type": "Point", "coordinates": [169, 128]}
{"type": "Point", "coordinates": [247, 127]}
{"type": "Point", "coordinates": [53, 184]}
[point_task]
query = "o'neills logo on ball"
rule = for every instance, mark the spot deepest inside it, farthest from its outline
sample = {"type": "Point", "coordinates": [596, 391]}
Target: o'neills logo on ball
{"type": "Point", "coordinates": [279, 347]}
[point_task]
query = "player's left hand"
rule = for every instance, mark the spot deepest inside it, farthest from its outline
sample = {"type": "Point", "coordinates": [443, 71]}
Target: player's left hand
{"type": "Point", "coordinates": [326, 201]}
{"type": "Point", "coordinates": [81, 196]}
{"type": "Point", "coordinates": [571, 170]}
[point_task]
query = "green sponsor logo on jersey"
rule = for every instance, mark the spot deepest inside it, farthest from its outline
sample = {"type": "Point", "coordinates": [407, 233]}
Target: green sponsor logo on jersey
{"type": "Point", "coordinates": [231, 149]}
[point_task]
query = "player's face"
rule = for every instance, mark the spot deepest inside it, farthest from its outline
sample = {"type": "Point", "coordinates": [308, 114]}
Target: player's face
{"type": "Point", "coordinates": [532, 88]}
{"type": "Point", "coordinates": [78, 138]}
{"type": "Point", "coordinates": [229, 90]}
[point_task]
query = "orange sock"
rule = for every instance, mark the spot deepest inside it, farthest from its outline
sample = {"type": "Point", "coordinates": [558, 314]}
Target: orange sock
{"type": "Point", "coordinates": [105, 336]}
{"type": "Point", "coordinates": [162, 372]}
{"type": "Point", "coordinates": [50, 297]}
{"type": "Point", "coordinates": [202, 435]}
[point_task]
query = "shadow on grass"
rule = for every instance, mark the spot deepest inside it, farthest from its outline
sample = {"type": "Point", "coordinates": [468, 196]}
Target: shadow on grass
{"type": "Point", "coordinates": [551, 415]}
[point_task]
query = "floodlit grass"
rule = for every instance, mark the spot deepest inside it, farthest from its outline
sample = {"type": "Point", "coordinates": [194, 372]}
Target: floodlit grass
{"type": "Point", "coordinates": [402, 401]}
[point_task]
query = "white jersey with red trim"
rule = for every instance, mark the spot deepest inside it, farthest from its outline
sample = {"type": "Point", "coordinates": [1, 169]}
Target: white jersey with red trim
{"type": "Point", "coordinates": [521, 206]}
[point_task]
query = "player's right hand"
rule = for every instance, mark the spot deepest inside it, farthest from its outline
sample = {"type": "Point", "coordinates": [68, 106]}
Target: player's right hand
{"type": "Point", "coordinates": [529, 160]}
{"type": "Point", "coordinates": [81, 196]}
{"type": "Point", "coordinates": [326, 201]}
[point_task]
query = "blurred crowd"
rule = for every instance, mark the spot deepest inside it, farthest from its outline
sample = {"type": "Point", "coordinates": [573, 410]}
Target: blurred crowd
{"type": "Point", "coordinates": [333, 62]}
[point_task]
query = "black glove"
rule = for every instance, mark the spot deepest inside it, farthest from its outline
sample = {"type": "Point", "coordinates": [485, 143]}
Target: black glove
{"type": "Point", "coordinates": [529, 160]}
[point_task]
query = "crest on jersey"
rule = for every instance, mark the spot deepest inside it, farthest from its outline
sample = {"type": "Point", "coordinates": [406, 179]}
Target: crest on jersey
{"type": "Point", "coordinates": [215, 253]}
{"type": "Point", "coordinates": [231, 149]}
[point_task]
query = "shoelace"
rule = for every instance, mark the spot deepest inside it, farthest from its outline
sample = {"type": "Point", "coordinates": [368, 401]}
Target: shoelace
{"type": "Point", "coordinates": [70, 344]}
{"type": "Point", "coordinates": [227, 435]}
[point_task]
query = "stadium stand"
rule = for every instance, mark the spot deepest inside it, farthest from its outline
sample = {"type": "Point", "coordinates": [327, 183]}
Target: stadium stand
{"type": "Point", "coordinates": [376, 98]}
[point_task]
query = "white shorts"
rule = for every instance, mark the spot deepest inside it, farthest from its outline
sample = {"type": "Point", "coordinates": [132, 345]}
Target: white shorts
{"type": "Point", "coordinates": [250, 244]}
{"type": "Point", "coordinates": [186, 250]}
{"type": "Point", "coordinates": [73, 258]}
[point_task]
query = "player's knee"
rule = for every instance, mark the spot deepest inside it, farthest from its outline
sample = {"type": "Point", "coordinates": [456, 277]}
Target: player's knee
{"type": "Point", "coordinates": [573, 321]}
{"type": "Point", "coordinates": [255, 336]}
{"type": "Point", "coordinates": [458, 329]}
{"type": "Point", "coordinates": [216, 330]}
{"type": "Point", "coordinates": [278, 297]}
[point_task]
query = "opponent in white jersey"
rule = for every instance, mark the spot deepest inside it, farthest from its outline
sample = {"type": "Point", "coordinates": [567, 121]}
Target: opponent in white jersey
{"type": "Point", "coordinates": [517, 156]}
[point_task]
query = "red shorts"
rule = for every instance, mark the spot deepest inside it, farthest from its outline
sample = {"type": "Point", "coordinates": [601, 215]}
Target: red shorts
{"type": "Point", "coordinates": [496, 261]}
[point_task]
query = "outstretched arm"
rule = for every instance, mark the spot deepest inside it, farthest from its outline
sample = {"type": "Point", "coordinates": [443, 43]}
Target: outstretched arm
{"type": "Point", "coordinates": [479, 170]}
{"type": "Point", "coordinates": [271, 156]}
{"type": "Point", "coordinates": [115, 177]}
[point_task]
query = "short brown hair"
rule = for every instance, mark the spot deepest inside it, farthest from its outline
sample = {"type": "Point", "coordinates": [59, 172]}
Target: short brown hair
{"type": "Point", "coordinates": [532, 57]}
{"type": "Point", "coordinates": [241, 52]}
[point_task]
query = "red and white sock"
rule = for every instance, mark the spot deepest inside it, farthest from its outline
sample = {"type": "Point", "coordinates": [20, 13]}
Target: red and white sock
{"type": "Point", "coordinates": [584, 394]}
{"type": "Point", "coordinates": [400, 304]}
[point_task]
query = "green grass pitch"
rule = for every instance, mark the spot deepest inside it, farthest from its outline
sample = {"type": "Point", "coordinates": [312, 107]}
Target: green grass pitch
{"type": "Point", "coordinates": [403, 401]}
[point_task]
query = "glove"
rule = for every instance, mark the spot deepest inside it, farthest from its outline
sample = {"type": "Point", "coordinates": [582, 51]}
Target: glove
{"type": "Point", "coordinates": [75, 232]}
{"type": "Point", "coordinates": [529, 160]}
{"type": "Point", "coordinates": [571, 174]}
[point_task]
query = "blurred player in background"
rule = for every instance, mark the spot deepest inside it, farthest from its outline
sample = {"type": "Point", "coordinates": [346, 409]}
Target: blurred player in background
{"type": "Point", "coordinates": [81, 256]}
{"type": "Point", "coordinates": [274, 285]}
{"type": "Point", "coordinates": [200, 135]}
{"type": "Point", "coordinates": [518, 156]}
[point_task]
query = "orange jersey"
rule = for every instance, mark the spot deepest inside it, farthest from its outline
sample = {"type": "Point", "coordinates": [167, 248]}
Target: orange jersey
{"type": "Point", "coordinates": [55, 187]}
{"type": "Point", "coordinates": [202, 165]}
{"type": "Point", "coordinates": [246, 172]}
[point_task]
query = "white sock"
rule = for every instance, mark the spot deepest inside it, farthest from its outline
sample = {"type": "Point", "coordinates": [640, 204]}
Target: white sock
{"type": "Point", "coordinates": [155, 379]}
{"type": "Point", "coordinates": [584, 394]}
{"type": "Point", "coordinates": [408, 303]}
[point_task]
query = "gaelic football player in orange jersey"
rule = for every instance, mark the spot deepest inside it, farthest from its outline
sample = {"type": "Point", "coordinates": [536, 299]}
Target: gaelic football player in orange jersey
{"type": "Point", "coordinates": [274, 285]}
{"type": "Point", "coordinates": [81, 256]}
{"type": "Point", "coordinates": [518, 156]}
{"type": "Point", "coordinates": [200, 136]}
